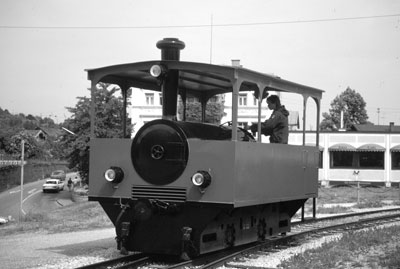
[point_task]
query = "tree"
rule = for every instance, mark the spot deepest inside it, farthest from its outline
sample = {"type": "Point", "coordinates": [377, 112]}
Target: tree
{"type": "Point", "coordinates": [31, 150]}
{"type": "Point", "coordinates": [18, 127]}
{"type": "Point", "coordinates": [108, 124]}
{"type": "Point", "coordinates": [351, 104]}
{"type": "Point", "coordinates": [214, 110]}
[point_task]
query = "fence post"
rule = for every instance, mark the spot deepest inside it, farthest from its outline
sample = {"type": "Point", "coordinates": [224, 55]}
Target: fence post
{"type": "Point", "coordinates": [356, 172]}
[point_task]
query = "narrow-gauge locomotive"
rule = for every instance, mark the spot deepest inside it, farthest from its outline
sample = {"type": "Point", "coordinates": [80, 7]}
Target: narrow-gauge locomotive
{"type": "Point", "coordinates": [188, 188]}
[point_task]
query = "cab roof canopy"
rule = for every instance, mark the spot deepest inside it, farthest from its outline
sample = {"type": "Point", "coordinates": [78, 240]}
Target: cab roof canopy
{"type": "Point", "coordinates": [197, 79]}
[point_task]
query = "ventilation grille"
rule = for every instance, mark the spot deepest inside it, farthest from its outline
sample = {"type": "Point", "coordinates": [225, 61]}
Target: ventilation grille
{"type": "Point", "coordinates": [166, 194]}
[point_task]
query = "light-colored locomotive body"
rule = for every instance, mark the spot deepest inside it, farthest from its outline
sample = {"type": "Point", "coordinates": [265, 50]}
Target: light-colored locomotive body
{"type": "Point", "coordinates": [243, 173]}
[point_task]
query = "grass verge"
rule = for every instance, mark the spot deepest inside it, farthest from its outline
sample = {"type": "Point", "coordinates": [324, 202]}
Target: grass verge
{"type": "Point", "coordinates": [346, 199]}
{"type": "Point", "coordinates": [73, 217]}
{"type": "Point", "coordinates": [374, 248]}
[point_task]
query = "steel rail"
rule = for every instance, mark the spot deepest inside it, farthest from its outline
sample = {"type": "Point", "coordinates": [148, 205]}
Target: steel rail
{"type": "Point", "coordinates": [274, 244]}
{"type": "Point", "coordinates": [120, 262]}
{"type": "Point", "coordinates": [339, 216]}
{"type": "Point", "coordinates": [282, 242]}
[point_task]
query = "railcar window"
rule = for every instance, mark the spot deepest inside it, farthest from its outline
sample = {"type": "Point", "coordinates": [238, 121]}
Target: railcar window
{"type": "Point", "coordinates": [341, 159]}
{"type": "Point", "coordinates": [373, 160]}
{"type": "Point", "coordinates": [396, 160]}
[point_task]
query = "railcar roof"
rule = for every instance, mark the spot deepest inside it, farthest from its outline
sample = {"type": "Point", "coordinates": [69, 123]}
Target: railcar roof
{"type": "Point", "coordinates": [197, 78]}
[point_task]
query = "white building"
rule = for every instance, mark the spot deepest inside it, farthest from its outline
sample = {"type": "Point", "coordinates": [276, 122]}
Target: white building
{"type": "Point", "coordinates": [367, 154]}
{"type": "Point", "coordinates": [146, 106]}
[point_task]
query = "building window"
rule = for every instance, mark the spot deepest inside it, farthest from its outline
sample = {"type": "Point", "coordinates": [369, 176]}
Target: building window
{"type": "Point", "coordinates": [161, 99]}
{"type": "Point", "coordinates": [341, 159]}
{"type": "Point", "coordinates": [149, 99]}
{"type": "Point", "coordinates": [371, 160]}
{"type": "Point", "coordinates": [357, 160]}
{"type": "Point", "coordinates": [321, 159]}
{"type": "Point", "coordinates": [243, 99]}
{"type": "Point", "coordinates": [396, 160]}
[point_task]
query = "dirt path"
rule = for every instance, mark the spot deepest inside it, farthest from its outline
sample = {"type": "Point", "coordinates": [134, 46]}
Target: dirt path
{"type": "Point", "coordinates": [62, 250]}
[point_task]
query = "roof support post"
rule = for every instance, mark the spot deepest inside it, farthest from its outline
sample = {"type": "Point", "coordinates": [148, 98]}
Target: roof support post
{"type": "Point", "coordinates": [92, 108]}
{"type": "Point", "coordinates": [304, 118]}
{"type": "Point", "coordinates": [318, 102]}
{"type": "Point", "coordinates": [260, 98]}
{"type": "Point", "coordinates": [235, 96]}
{"type": "Point", "coordinates": [203, 109]}
{"type": "Point", "coordinates": [183, 98]}
{"type": "Point", "coordinates": [124, 118]}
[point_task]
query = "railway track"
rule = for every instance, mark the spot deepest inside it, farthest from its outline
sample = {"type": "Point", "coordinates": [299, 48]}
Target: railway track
{"type": "Point", "coordinates": [241, 257]}
{"type": "Point", "coordinates": [129, 261]}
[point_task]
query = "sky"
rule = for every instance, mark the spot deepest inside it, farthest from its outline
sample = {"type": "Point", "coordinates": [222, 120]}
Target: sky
{"type": "Point", "coordinates": [46, 45]}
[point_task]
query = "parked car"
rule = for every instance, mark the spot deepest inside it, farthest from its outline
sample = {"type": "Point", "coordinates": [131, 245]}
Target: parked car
{"type": "Point", "coordinates": [53, 185]}
{"type": "Point", "coordinates": [3, 220]}
{"type": "Point", "coordinates": [58, 174]}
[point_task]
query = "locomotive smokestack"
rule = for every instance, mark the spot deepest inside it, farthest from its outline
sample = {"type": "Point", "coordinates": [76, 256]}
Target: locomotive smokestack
{"type": "Point", "coordinates": [170, 51]}
{"type": "Point", "coordinates": [170, 48]}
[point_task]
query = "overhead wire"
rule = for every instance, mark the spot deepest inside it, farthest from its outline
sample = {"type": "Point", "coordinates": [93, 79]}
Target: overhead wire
{"type": "Point", "coordinates": [202, 25]}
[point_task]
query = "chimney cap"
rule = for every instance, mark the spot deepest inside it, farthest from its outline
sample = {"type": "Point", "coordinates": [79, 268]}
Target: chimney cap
{"type": "Point", "coordinates": [170, 48]}
{"type": "Point", "coordinates": [170, 43]}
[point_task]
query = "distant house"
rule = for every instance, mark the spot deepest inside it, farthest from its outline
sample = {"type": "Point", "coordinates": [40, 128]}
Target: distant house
{"type": "Point", "coordinates": [41, 134]}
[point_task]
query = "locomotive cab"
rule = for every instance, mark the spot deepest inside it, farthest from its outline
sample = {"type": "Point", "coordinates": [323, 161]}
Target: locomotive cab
{"type": "Point", "coordinates": [185, 188]}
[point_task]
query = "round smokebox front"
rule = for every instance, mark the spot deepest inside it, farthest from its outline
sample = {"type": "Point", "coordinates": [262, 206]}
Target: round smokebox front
{"type": "Point", "coordinates": [160, 152]}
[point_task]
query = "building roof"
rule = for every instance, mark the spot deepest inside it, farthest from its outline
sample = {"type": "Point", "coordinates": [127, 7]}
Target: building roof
{"type": "Point", "coordinates": [53, 132]}
{"type": "Point", "coordinates": [365, 128]}
{"type": "Point", "coordinates": [43, 133]}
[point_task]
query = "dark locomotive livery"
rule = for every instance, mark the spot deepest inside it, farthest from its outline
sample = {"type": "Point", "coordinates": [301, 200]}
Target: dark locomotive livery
{"type": "Point", "coordinates": [187, 188]}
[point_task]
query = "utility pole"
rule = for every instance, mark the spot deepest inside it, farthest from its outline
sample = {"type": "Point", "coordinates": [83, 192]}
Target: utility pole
{"type": "Point", "coordinates": [21, 211]}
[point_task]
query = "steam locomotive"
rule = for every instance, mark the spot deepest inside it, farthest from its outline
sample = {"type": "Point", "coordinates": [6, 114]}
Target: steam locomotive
{"type": "Point", "coordinates": [187, 188]}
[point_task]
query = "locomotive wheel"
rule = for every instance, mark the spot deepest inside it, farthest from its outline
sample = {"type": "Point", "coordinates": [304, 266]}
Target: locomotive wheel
{"type": "Point", "coordinates": [261, 229]}
{"type": "Point", "coordinates": [230, 235]}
